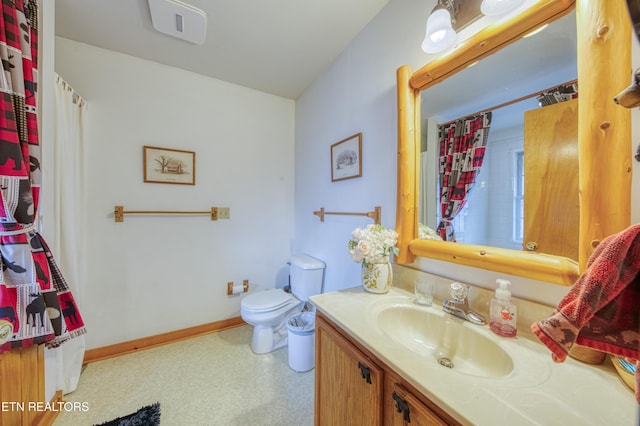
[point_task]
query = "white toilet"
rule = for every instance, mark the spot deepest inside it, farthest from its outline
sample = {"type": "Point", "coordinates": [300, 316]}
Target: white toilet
{"type": "Point", "coordinates": [268, 310]}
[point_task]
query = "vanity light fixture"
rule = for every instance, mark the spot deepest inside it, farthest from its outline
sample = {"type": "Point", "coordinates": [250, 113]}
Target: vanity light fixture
{"type": "Point", "coordinates": [498, 7]}
{"type": "Point", "coordinates": [446, 20]}
{"type": "Point", "coordinates": [440, 34]}
{"type": "Point", "coordinates": [449, 17]}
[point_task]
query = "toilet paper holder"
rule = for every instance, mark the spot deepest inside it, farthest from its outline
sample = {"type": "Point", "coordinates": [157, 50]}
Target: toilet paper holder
{"type": "Point", "coordinates": [236, 289]}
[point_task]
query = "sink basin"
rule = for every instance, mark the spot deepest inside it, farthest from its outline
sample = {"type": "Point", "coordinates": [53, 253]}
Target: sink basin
{"type": "Point", "coordinates": [446, 340]}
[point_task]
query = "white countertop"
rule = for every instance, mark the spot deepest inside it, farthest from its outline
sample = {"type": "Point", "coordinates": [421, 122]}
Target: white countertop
{"type": "Point", "coordinates": [536, 392]}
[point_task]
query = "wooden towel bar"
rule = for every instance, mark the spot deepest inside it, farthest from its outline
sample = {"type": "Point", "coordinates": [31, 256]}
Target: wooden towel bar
{"type": "Point", "coordinates": [119, 212]}
{"type": "Point", "coordinates": [375, 215]}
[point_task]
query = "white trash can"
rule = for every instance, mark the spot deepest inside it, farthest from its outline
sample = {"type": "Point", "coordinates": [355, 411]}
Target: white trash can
{"type": "Point", "coordinates": [301, 336]}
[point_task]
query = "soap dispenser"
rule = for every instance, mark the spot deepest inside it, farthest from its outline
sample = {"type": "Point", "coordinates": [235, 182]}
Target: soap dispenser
{"type": "Point", "coordinates": [502, 311]}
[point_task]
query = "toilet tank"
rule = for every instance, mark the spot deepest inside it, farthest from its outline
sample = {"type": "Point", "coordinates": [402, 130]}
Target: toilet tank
{"type": "Point", "coordinates": [306, 274]}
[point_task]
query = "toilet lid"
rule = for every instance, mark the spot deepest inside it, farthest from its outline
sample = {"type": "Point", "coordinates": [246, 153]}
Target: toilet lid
{"type": "Point", "coordinates": [266, 300]}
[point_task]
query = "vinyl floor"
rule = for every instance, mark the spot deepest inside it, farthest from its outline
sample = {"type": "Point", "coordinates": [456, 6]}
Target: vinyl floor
{"type": "Point", "coordinates": [210, 380]}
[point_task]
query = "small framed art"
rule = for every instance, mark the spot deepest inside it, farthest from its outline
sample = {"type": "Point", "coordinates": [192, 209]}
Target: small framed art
{"type": "Point", "coordinates": [165, 165]}
{"type": "Point", "coordinates": [346, 158]}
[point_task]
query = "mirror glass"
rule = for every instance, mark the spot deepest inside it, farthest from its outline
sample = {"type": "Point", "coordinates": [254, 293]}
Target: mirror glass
{"type": "Point", "coordinates": [604, 134]}
{"type": "Point", "coordinates": [493, 214]}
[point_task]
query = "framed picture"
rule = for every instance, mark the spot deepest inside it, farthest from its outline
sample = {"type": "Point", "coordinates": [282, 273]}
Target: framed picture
{"type": "Point", "coordinates": [346, 158]}
{"type": "Point", "coordinates": [164, 165]}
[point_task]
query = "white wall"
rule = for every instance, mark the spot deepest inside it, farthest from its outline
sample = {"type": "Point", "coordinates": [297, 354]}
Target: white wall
{"type": "Point", "coordinates": [153, 274]}
{"type": "Point", "coordinates": [357, 93]}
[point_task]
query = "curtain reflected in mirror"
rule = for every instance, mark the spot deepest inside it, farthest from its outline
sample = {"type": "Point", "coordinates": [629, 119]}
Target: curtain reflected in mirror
{"type": "Point", "coordinates": [507, 84]}
{"type": "Point", "coordinates": [461, 146]}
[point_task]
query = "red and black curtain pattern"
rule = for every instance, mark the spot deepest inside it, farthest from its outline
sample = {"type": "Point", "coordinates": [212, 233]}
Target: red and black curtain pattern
{"type": "Point", "coordinates": [36, 305]}
{"type": "Point", "coordinates": [462, 145]}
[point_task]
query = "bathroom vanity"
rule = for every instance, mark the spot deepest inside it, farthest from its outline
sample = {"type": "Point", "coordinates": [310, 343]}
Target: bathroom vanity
{"type": "Point", "coordinates": [381, 359]}
{"type": "Point", "coordinates": [354, 387]}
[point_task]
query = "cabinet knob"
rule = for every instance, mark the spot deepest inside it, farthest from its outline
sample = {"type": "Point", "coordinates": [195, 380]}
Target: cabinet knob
{"type": "Point", "coordinates": [402, 407]}
{"type": "Point", "coordinates": [364, 372]}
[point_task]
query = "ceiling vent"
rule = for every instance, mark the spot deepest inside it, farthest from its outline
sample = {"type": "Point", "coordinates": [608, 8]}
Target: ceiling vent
{"type": "Point", "coordinates": [179, 20]}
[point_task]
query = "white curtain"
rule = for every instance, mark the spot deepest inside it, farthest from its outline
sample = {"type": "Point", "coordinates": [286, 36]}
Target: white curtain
{"type": "Point", "coordinates": [67, 230]}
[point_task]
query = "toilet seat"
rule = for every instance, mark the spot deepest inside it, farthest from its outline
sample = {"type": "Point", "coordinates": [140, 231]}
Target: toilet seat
{"type": "Point", "coordinates": [265, 301]}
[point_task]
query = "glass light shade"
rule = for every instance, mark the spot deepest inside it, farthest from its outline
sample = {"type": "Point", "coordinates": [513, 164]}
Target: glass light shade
{"type": "Point", "coordinates": [440, 35]}
{"type": "Point", "coordinates": [498, 7]}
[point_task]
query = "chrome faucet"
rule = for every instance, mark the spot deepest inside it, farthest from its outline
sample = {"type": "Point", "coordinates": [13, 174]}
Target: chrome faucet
{"type": "Point", "coordinates": [458, 305]}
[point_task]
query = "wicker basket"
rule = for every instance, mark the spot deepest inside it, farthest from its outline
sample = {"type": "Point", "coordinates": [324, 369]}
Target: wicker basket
{"type": "Point", "coordinates": [627, 377]}
{"type": "Point", "coordinates": [588, 355]}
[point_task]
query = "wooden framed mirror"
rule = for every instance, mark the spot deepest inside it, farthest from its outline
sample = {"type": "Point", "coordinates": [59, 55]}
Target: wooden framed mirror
{"type": "Point", "coordinates": [604, 137]}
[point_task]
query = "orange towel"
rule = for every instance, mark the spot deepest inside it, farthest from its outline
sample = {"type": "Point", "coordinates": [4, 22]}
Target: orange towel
{"type": "Point", "coordinates": [602, 310]}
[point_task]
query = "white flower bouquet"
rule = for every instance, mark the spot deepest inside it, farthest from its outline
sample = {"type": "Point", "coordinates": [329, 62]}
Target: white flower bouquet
{"type": "Point", "coordinates": [373, 244]}
{"type": "Point", "coordinates": [426, 233]}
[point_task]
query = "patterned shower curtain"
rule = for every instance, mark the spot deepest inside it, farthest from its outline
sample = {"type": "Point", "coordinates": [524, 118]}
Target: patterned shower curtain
{"type": "Point", "coordinates": [462, 146]}
{"type": "Point", "coordinates": [36, 305]}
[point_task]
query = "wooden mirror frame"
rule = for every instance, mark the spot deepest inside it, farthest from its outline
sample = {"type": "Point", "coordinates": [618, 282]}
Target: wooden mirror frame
{"type": "Point", "coordinates": [604, 137]}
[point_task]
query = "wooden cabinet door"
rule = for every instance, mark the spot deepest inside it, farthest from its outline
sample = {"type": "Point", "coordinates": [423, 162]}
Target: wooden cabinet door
{"type": "Point", "coordinates": [403, 408]}
{"type": "Point", "coordinates": [551, 203]}
{"type": "Point", "coordinates": [348, 387]}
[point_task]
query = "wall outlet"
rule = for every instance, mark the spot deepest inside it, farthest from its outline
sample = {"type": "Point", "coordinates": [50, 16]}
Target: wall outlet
{"type": "Point", "coordinates": [224, 213]}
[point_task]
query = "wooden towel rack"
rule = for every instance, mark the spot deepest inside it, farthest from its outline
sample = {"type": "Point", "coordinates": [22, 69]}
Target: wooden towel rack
{"type": "Point", "coordinates": [376, 215]}
{"type": "Point", "coordinates": [119, 212]}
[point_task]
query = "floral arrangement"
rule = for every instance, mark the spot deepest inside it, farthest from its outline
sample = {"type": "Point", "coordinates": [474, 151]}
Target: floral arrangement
{"type": "Point", "coordinates": [427, 233]}
{"type": "Point", "coordinates": [373, 244]}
